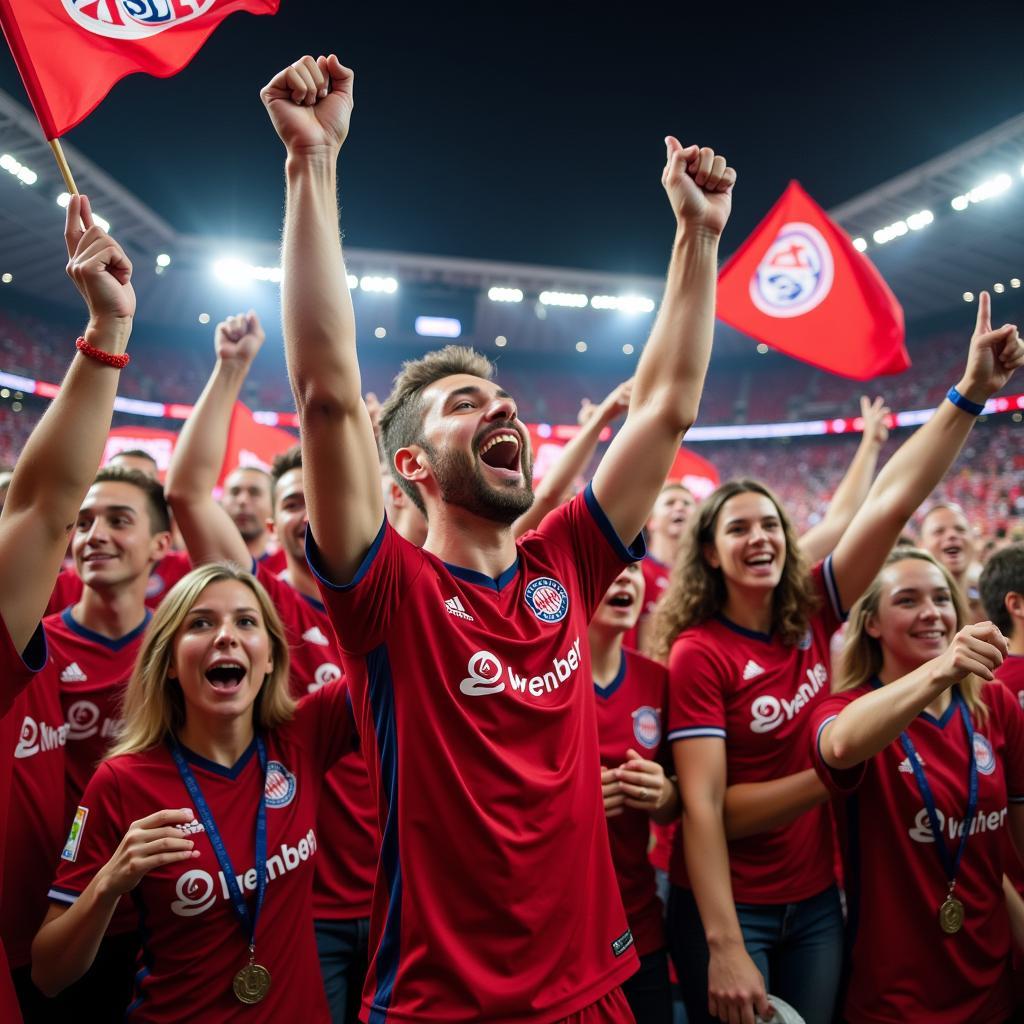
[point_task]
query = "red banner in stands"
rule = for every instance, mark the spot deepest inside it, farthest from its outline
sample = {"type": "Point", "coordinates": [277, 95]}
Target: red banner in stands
{"type": "Point", "coordinates": [249, 443]}
{"type": "Point", "coordinates": [694, 473]}
{"type": "Point", "coordinates": [798, 285]}
{"type": "Point", "coordinates": [71, 53]}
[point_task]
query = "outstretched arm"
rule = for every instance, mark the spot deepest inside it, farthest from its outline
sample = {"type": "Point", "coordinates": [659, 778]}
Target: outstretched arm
{"type": "Point", "coordinates": [60, 458]}
{"type": "Point", "coordinates": [755, 807]}
{"type": "Point", "coordinates": [918, 466]}
{"type": "Point", "coordinates": [871, 722]}
{"type": "Point", "coordinates": [310, 104]}
{"type": "Point", "coordinates": [670, 375]}
{"type": "Point", "coordinates": [210, 533]}
{"type": "Point", "coordinates": [820, 541]}
{"type": "Point", "coordinates": [574, 458]}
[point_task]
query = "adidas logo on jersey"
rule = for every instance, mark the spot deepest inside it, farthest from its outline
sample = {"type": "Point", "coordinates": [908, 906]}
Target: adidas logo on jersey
{"type": "Point", "coordinates": [454, 606]}
{"type": "Point", "coordinates": [314, 635]}
{"type": "Point", "coordinates": [73, 674]}
{"type": "Point", "coordinates": [905, 765]}
{"type": "Point", "coordinates": [752, 669]}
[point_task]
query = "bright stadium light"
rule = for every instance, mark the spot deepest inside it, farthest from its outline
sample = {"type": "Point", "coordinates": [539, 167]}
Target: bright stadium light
{"type": "Point", "coordinates": [627, 349]}
{"type": "Point", "coordinates": [438, 327]}
{"type": "Point", "coordinates": [163, 260]}
{"type": "Point", "coordinates": [1014, 282]}
{"type": "Point", "coordinates": [623, 303]}
{"type": "Point", "coordinates": [986, 190]}
{"type": "Point", "coordinates": [762, 349]}
{"type": "Point", "coordinates": [353, 281]}
{"type": "Point", "coordinates": [574, 300]}
{"type": "Point", "coordinates": [7, 278]}
{"type": "Point", "coordinates": [860, 244]}
{"type": "Point", "coordinates": [204, 318]}
{"type": "Point", "coordinates": [380, 332]}
{"type": "Point", "coordinates": [968, 296]}
{"type": "Point", "coordinates": [998, 288]}
{"type": "Point", "coordinates": [581, 346]}
{"type": "Point", "coordinates": [502, 294]}
{"type": "Point", "coordinates": [959, 203]}
{"type": "Point", "coordinates": [895, 230]}
{"type": "Point", "coordinates": [16, 168]}
{"type": "Point", "coordinates": [235, 272]}
{"type": "Point", "coordinates": [374, 283]}
{"type": "Point", "coordinates": [919, 220]}
{"type": "Point", "coordinates": [501, 341]}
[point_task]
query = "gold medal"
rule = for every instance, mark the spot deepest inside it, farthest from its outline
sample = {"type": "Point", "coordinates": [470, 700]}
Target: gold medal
{"type": "Point", "coordinates": [251, 983]}
{"type": "Point", "coordinates": [951, 915]}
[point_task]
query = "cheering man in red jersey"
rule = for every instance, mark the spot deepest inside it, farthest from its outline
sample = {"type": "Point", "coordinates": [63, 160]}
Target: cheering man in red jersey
{"type": "Point", "coordinates": [467, 658]}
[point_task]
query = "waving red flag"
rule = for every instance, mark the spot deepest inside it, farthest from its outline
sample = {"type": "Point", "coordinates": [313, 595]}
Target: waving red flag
{"type": "Point", "coordinates": [71, 52]}
{"type": "Point", "coordinates": [798, 284]}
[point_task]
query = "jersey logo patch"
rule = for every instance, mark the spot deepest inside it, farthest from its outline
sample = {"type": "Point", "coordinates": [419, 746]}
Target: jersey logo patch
{"type": "Point", "coordinates": [155, 585]}
{"type": "Point", "coordinates": [326, 673]}
{"type": "Point", "coordinates": [39, 738]}
{"type": "Point", "coordinates": [548, 599]}
{"type": "Point", "coordinates": [752, 669]}
{"type": "Point", "coordinates": [647, 726]}
{"type": "Point", "coordinates": [983, 755]}
{"type": "Point", "coordinates": [73, 674]}
{"type": "Point", "coordinates": [622, 943]}
{"type": "Point", "coordinates": [485, 672]}
{"type": "Point", "coordinates": [454, 606]}
{"type": "Point", "coordinates": [906, 767]}
{"type": "Point", "coordinates": [70, 851]}
{"type": "Point", "coordinates": [280, 786]}
{"type": "Point", "coordinates": [314, 635]}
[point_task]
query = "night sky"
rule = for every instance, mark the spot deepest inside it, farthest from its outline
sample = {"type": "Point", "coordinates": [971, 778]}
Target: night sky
{"type": "Point", "coordinates": [517, 132]}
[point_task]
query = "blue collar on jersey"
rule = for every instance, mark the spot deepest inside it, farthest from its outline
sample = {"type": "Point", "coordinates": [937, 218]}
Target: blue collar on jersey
{"type": "Point", "coordinates": [218, 769]}
{"type": "Point", "coordinates": [752, 634]}
{"type": "Point", "coordinates": [606, 691]}
{"type": "Point", "coordinates": [482, 579]}
{"type": "Point", "coordinates": [98, 638]}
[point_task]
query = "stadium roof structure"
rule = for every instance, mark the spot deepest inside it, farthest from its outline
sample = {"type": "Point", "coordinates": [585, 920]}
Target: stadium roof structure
{"type": "Point", "coordinates": [948, 227]}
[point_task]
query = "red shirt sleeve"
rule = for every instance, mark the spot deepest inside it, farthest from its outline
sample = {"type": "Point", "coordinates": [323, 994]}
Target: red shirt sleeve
{"type": "Point", "coordinates": [696, 700]}
{"type": "Point", "coordinates": [327, 718]}
{"type": "Point", "coordinates": [838, 781]}
{"type": "Point", "coordinates": [1002, 704]}
{"type": "Point", "coordinates": [96, 832]}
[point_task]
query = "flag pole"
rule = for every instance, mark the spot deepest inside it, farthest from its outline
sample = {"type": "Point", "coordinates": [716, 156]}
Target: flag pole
{"type": "Point", "coordinates": [62, 163]}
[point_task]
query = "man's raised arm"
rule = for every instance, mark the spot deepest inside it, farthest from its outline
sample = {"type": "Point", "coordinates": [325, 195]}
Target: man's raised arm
{"type": "Point", "coordinates": [310, 104]}
{"type": "Point", "coordinates": [209, 532]}
{"type": "Point", "coordinates": [670, 375]}
{"type": "Point", "coordinates": [60, 459]}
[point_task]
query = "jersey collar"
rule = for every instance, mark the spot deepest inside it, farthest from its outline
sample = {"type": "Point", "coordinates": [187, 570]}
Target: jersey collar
{"type": "Point", "coordinates": [483, 580]}
{"type": "Point", "coordinates": [97, 638]}
{"type": "Point", "coordinates": [751, 634]}
{"type": "Point", "coordinates": [604, 692]}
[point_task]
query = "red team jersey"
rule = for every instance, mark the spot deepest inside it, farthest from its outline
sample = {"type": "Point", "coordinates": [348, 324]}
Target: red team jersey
{"type": "Point", "coordinates": [171, 568]}
{"type": "Point", "coordinates": [193, 943]}
{"type": "Point", "coordinates": [1011, 675]}
{"type": "Point", "coordinates": [273, 562]}
{"type": "Point", "coordinates": [903, 966]}
{"type": "Point", "coordinates": [656, 576]}
{"type": "Point", "coordinates": [758, 694]}
{"type": "Point", "coordinates": [474, 704]}
{"type": "Point", "coordinates": [347, 819]}
{"type": "Point", "coordinates": [19, 668]}
{"type": "Point", "coordinates": [630, 713]}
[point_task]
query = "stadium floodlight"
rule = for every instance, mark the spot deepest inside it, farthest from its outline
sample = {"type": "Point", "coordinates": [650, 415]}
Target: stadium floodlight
{"type": "Point", "coordinates": [380, 332]}
{"type": "Point", "coordinates": [501, 341]}
{"type": "Point", "coordinates": [353, 281]}
{"type": "Point", "coordinates": [623, 303]}
{"type": "Point", "coordinates": [204, 318]}
{"type": "Point", "coordinates": [998, 288]}
{"type": "Point", "coordinates": [919, 220]}
{"type": "Point", "coordinates": [376, 283]}
{"type": "Point", "coordinates": [762, 348]}
{"type": "Point", "coordinates": [65, 198]}
{"type": "Point", "coordinates": [860, 244]}
{"type": "Point", "coordinates": [627, 349]}
{"type": "Point", "coordinates": [7, 278]}
{"type": "Point", "coordinates": [980, 193]}
{"type": "Point", "coordinates": [235, 272]}
{"type": "Point", "coordinates": [500, 293]}
{"type": "Point", "coordinates": [1014, 282]}
{"type": "Point", "coordinates": [163, 260]}
{"type": "Point", "coordinates": [581, 346]}
{"type": "Point", "coordinates": [16, 168]}
{"type": "Point", "coordinates": [438, 327]}
{"type": "Point", "coordinates": [895, 230]}
{"type": "Point", "coordinates": [968, 296]}
{"type": "Point", "coordinates": [574, 300]}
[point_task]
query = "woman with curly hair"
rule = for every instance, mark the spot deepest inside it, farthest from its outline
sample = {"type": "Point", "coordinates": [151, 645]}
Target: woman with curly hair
{"type": "Point", "coordinates": [745, 626]}
{"type": "Point", "coordinates": [204, 815]}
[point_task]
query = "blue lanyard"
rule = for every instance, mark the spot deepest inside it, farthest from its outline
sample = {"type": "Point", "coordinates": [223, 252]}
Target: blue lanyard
{"type": "Point", "coordinates": [950, 864]}
{"type": "Point", "coordinates": [203, 810]}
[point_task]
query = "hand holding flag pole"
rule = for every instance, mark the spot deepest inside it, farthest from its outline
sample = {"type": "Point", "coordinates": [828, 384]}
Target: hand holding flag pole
{"type": "Point", "coordinates": [62, 164]}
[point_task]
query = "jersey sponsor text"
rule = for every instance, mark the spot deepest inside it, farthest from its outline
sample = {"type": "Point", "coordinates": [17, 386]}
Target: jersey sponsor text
{"type": "Point", "coordinates": [921, 832]}
{"type": "Point", "coordinates": [769, 712]}
{"type": "Point", "coordinates": [38, 737]}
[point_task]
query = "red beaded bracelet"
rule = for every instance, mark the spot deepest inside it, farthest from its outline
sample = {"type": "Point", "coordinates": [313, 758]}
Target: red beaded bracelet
{"type": "Point", "coordinates": [107, 358]}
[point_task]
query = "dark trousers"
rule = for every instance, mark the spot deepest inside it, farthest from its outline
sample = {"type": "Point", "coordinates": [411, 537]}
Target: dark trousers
{"type": "Point", "coordinates": [341, 946]}
{"type": "Point", "coordinates": [648, 991]}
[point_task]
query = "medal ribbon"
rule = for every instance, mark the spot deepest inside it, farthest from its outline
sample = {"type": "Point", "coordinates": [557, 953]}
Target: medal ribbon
{"type": "Point", "coordinates": [248, 921]}
{"type": "Point", "coordinates": [950, 864]}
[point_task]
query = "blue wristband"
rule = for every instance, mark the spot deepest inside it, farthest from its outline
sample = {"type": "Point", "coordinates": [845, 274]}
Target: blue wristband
{"type": "Point", "coordinates": [964, 403]}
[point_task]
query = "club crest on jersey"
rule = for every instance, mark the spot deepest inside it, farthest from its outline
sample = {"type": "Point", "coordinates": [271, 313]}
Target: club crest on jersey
{"type": "Point", "coordinates": [133, 19]}
{"type": "Point", "coordinates": [647, 726]}
{"type": "Point", "coordinates": [547, 598]}
{"type": "Point", "coordinates": [280, 786]}
{"type": "Point", "coordinates": [155, 586]}
{"type": "Point", "coordinates": [326, 673]}
{"type": "Point", "coordinates": [795, 274]}
{"type": "Point", "coordinates": [984, 756]}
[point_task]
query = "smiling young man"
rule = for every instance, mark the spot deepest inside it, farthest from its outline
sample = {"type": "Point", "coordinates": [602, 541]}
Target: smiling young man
{"type": "Point", "coordinates": [70, 717]}
{"type": "Point", "coordinates": [947, 536]}
{"type": "Point", "coordinates": [467, 659]}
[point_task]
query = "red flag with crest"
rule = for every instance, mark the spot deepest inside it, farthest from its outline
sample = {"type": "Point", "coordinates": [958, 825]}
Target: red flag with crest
{"type": "Point", "coordinates": [798, 285]}
{"type": "Point", "coordinates": [71, 52]}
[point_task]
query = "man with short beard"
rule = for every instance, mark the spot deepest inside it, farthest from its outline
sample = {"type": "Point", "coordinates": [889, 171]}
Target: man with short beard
{"type": "Point", "coordinates": [466, 659]}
